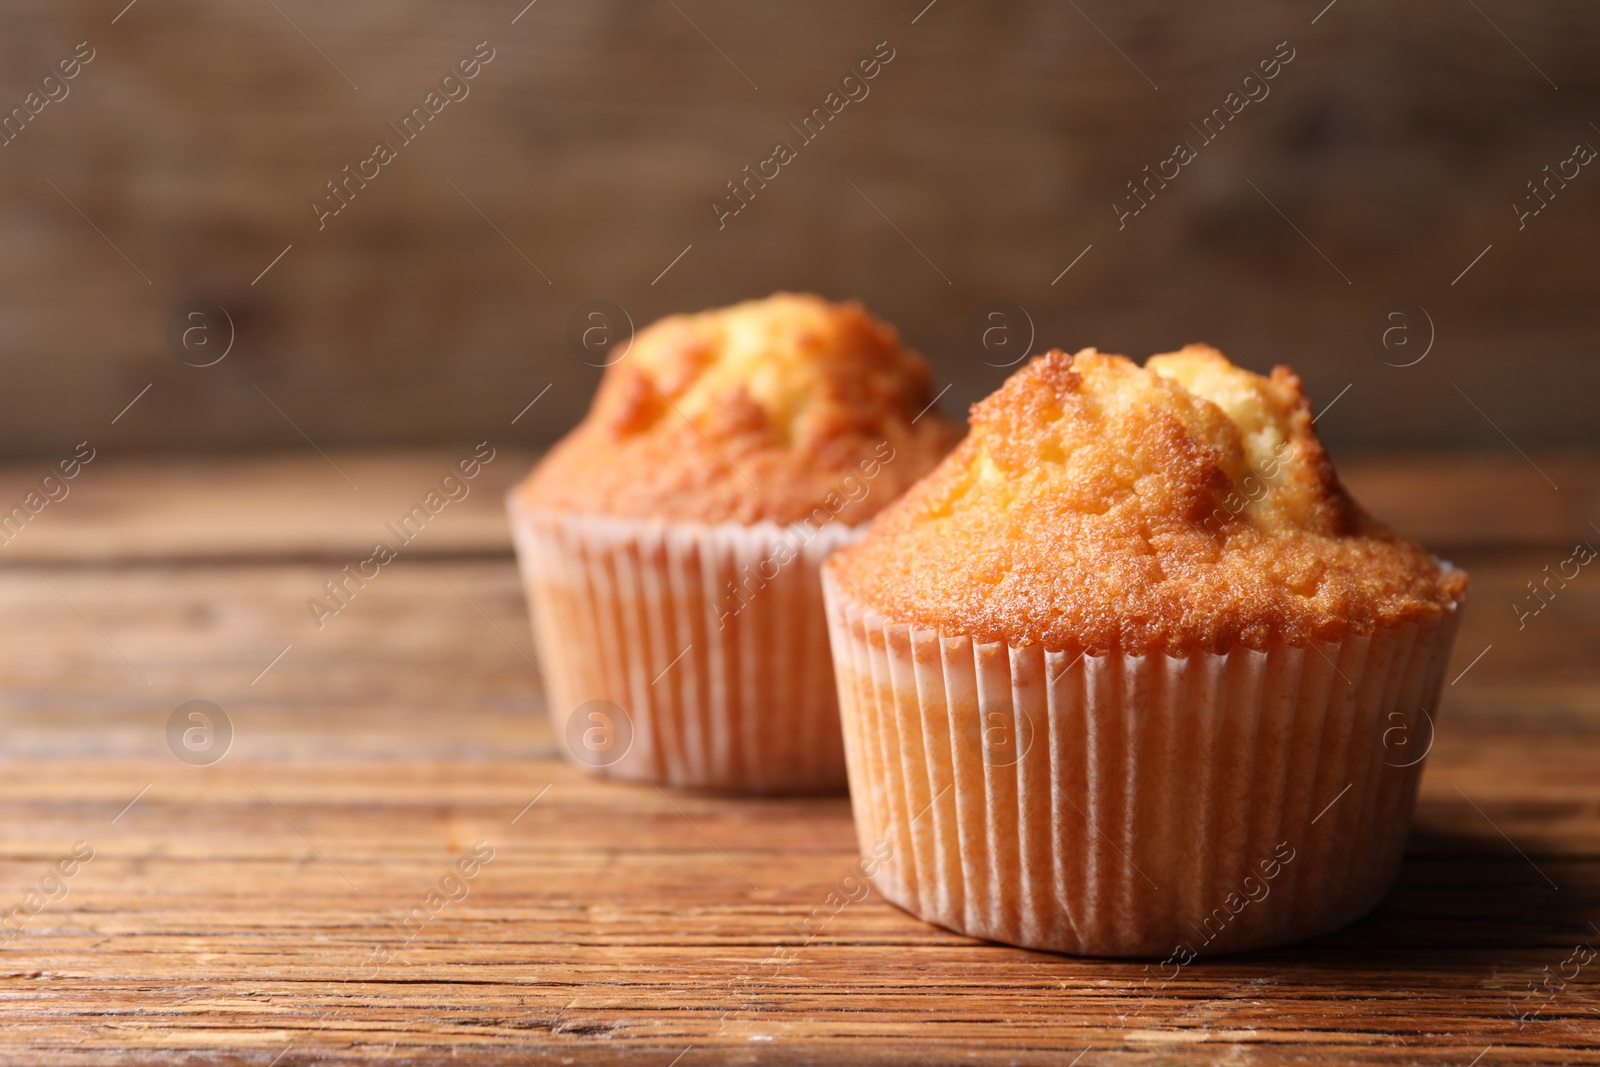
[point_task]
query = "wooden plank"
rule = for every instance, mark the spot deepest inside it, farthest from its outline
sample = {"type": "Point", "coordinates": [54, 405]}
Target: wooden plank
{"type": "Point", "coordinates": [290, 505]}
{"type": "Point", "coordinates": [1454, 501]}
{"type": "Point", "coordinates": [997, 141]}
{"type": "Point", "coordinates": [231, 913]}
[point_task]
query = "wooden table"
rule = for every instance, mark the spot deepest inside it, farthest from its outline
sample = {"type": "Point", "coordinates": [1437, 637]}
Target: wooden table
{"type": "Point", "coordinates": [238, 912]}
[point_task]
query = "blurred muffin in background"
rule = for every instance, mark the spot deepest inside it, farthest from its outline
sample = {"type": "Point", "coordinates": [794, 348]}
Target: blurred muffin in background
{"type": "Point", "coordinates": [670, 545]}
{"type": "Point", "coordinates": [1116, 678]}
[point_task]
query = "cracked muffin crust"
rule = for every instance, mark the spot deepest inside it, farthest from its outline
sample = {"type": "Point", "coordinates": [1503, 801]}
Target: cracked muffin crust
{"type": "Point", "coordinates": [755, 412]}
{"type": "Point", "coordinates": [1185, 505]}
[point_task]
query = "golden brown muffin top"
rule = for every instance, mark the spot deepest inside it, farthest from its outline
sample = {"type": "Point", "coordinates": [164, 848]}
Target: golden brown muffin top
{"type": "Point", "coordinates": [1101, 506]}
{"type": "Point", "coordinates": [766, 410]}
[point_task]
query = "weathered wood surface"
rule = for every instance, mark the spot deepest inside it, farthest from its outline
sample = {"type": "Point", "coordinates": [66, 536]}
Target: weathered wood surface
{"type": "Point", "coordinates": [996, 141]}
{"type": "Point", "coordinates": [294, 504]}
{"type": "Point", "coordinates": [230, 914]}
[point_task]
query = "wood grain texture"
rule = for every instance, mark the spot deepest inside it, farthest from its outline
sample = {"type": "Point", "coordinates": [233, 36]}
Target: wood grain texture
{"type": "Point", "coordinates": [230, 915]}
{"type": "Point", "coordinates": [984, 161]}
{"type": "Point", "coordinates": [296, 504]}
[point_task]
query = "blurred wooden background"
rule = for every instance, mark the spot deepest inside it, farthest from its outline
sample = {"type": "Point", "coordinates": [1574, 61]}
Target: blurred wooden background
{"type": "Point", "coordinates": [434, 307]}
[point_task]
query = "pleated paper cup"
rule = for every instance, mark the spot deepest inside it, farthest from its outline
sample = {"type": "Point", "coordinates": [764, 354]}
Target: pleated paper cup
{"type": "Point", "coordinates": [1122, 805]}
{"type": "Point", "coordinates": [684, 654]}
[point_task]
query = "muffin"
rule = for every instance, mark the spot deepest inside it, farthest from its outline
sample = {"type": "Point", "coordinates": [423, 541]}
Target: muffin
{"type": "Point", "coordinates": [670, 545]}
{"type": "Point", "coordinates": [1130, 674]}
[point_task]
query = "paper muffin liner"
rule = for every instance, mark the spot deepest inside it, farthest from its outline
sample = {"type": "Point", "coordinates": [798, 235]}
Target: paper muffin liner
{"type": "Point", "coordinates": [1125, 805]}
{"type": "Point", "coordinates": [710, 639]}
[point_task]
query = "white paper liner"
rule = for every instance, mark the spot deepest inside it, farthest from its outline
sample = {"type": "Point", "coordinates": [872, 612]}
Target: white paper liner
{"type": "Point", "coordinates": [1148, 789]}
{"type": "Point", "coordinates": [628, 611]}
